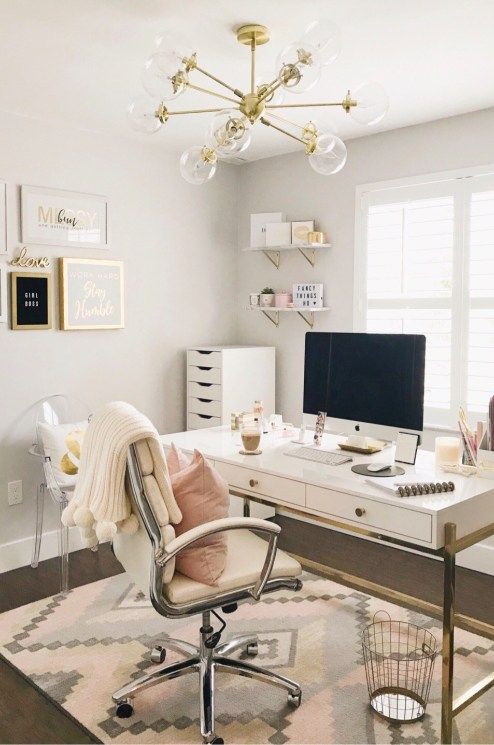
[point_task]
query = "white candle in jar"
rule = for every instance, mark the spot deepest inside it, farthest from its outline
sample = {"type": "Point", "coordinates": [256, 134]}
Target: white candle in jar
{"type": "Point", "coordinates": [447, 450]}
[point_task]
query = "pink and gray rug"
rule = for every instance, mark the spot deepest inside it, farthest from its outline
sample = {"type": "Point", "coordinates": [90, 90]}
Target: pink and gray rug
{"type": "Point", "coordinates": [80, 648]}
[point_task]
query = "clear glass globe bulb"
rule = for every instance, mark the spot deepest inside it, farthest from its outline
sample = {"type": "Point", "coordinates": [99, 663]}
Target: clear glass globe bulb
{"type": "Point", "coordinates": [167, 43]}
{"type": "Point", "coordinates": [228, 133]}
{"type": "Point", "coordinates": [262, 82]}
{"type": "Point", "coordinates": [372, 103]}
{"type": "Point", "coordinates": [162, 78]}
{"type": "Point", "coordinates": [299, 67]}
{"type": "Point", "coordinates": [324, 36]}
{"type": "Point", "coordinates": [198, 164]}
{"type": "Point", "coordinates": [141, 115]}
{"type": "Point", "coordinates": [330, 154]}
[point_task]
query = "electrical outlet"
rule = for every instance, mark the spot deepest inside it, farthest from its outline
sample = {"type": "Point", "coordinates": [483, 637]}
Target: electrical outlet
{"type": "Point", "coordinates": [14, 492]}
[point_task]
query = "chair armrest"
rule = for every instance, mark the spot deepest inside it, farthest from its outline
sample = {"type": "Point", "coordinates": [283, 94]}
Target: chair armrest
{"type": "Point", "coordinates": [219, 526]}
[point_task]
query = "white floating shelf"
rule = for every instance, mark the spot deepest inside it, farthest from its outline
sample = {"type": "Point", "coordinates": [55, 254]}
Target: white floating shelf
{"type": "Point", "coordinates": [272, 313]}
{"type": "Point", "coordinates": [273, 253]}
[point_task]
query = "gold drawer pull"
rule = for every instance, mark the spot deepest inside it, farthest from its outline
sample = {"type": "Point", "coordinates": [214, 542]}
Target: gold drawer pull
{"type": "Point", "coordinates": [359, 512]}
{"type": "Point", "coordinates": [253, 482]}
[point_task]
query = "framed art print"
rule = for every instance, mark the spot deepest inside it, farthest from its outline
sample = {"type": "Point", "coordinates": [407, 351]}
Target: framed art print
{"type": "Point", "coordinates": [300, 232]}
{"type": "Point", "coordinates": [51, 217]}
{"type": "Point", "coordinates": [31, 300]}
{"type": "Point", "coordinates": [3, 294]}
{"type": "Point", "coordinates": [91, 294]}
{"type": "Point", "coordinates": [3, 217]}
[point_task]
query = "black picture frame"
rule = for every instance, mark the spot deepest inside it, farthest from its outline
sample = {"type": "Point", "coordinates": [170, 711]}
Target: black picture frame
{"type": "Point", "coordinates": [31, 301]}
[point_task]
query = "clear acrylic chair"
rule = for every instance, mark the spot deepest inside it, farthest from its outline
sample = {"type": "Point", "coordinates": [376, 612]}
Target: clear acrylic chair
{"type": "Point", "coordinates": [53, 410]}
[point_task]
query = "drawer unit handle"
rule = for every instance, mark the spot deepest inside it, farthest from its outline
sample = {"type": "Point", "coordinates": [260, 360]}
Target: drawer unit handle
{"type": "Point", "coordinates": [205, 385]}
{"type": "Point", "coordinates": [253, 482]}
{"type": "Point", "coordinates": [205, 416]}
{"type": "Point", "coordinates": [360, 512]}
{"type": "Point", "coordinates": [203, 351]}
{"type": "Point", "coordinates": [201, 367]}
{"type": "Point", "coordinates": [205, 400]}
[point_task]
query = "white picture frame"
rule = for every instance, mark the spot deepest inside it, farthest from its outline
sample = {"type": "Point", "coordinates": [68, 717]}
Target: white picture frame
{"type": "Point", "coordinates": [3, 217]}
{"type": "Point", "coordinates": [258, 222]}
{"type": "Point", "coordinates": [3, 294]}
{"type": "Point", "coordinates": [300, 232]}
{"type": "Point", "coordinates": [53, 217]}
{"type": "Point", "coordinates": [91, 294]}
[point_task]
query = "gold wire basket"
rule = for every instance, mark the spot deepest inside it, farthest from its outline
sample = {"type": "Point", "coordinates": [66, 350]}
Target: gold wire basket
{"type": "Point", "coordinates": [399, 661]}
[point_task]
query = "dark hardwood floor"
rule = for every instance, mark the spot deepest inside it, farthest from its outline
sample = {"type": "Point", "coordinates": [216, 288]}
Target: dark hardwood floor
{"type": "Point", "coordinates": [28, 716]}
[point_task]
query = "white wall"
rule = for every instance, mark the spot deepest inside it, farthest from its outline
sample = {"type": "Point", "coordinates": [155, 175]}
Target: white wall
{"type": "Point", "coordinates": [288, 184]}
{"type": "Point", "coordinates": [177, 242]}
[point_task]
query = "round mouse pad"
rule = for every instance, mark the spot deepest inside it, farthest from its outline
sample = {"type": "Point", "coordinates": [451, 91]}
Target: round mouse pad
{"type": "Point", "coordinates": [363, 470]}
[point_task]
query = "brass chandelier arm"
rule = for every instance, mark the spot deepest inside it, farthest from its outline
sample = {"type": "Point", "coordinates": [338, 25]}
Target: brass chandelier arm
{"type": "Point", "coordinates": [236, 91]}
{"type": "Point", "coordinates": [343, 103]}
{"type": "Point", "coordinates": [267, 123]}
{"type": "Point", "coordinates": [212, 93]}
{"type": "Point", "coordinates": [270, 90]}
{"type": "Point", "coordinates": [192, 111]}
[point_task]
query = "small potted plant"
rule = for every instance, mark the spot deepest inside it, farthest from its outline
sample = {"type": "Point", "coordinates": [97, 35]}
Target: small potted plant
{"type": "Point", "coordinates": [267, 297]}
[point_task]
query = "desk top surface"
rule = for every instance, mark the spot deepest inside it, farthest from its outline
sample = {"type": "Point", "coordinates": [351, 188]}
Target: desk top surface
{"type": "Point", "coordinates": [220, 443]}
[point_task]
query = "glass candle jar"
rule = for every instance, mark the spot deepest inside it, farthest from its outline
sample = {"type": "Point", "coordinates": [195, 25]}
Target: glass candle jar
{"type": "Point", "coordinates": [448, 450]}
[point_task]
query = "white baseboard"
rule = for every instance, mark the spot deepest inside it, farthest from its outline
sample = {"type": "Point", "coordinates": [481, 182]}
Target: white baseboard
{"type": "Point", "coordinates": [480, 558]}
{"type": "Point", "coordinates": [18, 553]}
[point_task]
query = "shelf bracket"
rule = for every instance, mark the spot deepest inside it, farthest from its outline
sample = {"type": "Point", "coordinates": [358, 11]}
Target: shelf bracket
{"type": "Point", "coordinates": [274, 259]}
{"type": "Point", "coordinates": [275, 320]}
{"type": "Point", "coordinates": [309, 320]}
{"type": "Point", "coordinates": [310, 256]}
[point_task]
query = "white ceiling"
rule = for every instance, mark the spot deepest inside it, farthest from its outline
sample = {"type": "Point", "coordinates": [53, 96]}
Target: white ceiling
{"type": "Point", "coordinates": [79, 61]}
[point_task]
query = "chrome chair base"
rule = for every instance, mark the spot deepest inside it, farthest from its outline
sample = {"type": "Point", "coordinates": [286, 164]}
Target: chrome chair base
{"type": "Point", "coordinates": [206, 661]}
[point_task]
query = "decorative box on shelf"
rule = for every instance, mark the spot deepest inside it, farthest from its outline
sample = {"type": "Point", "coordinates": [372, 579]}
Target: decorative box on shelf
{"type": "Point", "coordinates": [308, 295]}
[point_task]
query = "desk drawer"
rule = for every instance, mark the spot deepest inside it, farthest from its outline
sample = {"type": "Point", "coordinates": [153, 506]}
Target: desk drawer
{"type": "Point", "coordinates": [204, 374]}
{"type": "Point", "coordinates": [202, 357]}
{"type": "Point", "coordinates": [204, 406]}
{"type": "Point", "coordinates": [375, 515]}
{"type": "Point", "coordinates": [201, 421]}
{"type": "Point", "coordinates": [263, 484]}
{"type": "Point", "coordinates": [204, 390]}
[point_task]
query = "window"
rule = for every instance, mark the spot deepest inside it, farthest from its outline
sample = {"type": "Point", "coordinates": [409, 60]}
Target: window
{"type": "Point", "coordinates": [425, 264]}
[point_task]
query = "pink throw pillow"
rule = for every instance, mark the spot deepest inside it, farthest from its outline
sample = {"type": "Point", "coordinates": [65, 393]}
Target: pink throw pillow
{"type": "Point", "coordinates": [202, 495]}
{"type": "Point", "coordinates": [176, 460]}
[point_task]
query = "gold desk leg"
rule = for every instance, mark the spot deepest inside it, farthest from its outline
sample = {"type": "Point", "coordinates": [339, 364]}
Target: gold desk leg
{"type": "Point", "coordinates": [448, 633]}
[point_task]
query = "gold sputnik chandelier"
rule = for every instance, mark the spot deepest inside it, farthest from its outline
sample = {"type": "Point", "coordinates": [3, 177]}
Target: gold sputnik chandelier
{"type": "Point", "coordinates": [168, 73]}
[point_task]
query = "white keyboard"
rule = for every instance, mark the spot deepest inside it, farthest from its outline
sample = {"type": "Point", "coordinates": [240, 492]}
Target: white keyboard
{"type": "Point", "coordinates": [328, 457]}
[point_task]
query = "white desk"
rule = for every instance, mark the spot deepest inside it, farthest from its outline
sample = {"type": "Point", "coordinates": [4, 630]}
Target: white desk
{"type": "Point", "coordinates": [439, 524]}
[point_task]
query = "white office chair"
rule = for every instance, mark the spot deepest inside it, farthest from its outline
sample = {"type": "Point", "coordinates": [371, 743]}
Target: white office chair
{"type": "Point", "coordinates": [253, 567]}
{"type": "Point", "coordinates": [54, 410]}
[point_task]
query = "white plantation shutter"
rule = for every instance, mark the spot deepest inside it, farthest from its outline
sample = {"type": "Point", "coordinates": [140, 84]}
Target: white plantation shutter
{"type": "Point", "coordinates": [427, 267]}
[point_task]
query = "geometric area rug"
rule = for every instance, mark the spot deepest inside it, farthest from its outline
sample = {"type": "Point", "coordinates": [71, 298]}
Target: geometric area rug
{"type": "Point", "coordinates": [81, 648]}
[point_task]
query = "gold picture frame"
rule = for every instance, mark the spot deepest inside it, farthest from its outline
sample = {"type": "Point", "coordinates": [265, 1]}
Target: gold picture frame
{"type": "Point", "coordinates": [35, 283]}
{"type": "Point", "coordinates": [91, 293]}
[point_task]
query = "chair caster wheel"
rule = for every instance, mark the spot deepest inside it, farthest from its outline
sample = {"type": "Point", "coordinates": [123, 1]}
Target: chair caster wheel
{"type": "Point", "coordinates": [295, 699]}
{"type": "Point", "coordinates": [124, 709]}
{"type": "Point", "coordinates": [158, 655]}
{"type": "Point", "coordinates": [218, 740]}
{"type": "Point", "coordinates": [252, 649]}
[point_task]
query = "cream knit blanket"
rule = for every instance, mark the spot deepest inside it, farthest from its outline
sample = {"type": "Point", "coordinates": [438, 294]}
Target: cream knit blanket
{"type": "Point", "coordinates": [100, 506]}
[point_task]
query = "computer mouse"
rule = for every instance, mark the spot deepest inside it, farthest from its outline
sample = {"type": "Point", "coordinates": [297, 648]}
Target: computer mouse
{"type": "Point", "coordinates": [376, 467]}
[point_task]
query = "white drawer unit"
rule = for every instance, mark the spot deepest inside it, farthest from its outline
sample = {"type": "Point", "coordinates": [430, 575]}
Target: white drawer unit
{"type": "Point", "coordinates": [202, 421]}
{"type": "Point", "coordinates": [370, 513]}
{"type": "Point", "coordinates": [221, 380]}
{"type": "Point", "coordinates": [276, 488]}
{"type": "Point", "coordinates": [211, 391]}
{"type": "Point", "coordinates": [204, 374]}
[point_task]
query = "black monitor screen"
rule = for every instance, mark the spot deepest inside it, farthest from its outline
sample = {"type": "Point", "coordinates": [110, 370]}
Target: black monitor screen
{"type": "Point", "coordinates": [373, 378]}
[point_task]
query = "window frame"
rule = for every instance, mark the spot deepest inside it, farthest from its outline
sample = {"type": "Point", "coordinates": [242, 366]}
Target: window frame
{"type": "Point", "coordinates": [460, 183]}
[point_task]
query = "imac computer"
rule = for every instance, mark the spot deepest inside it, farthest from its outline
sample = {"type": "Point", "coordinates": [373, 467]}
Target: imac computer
{"type": "Point", "coordinates": [367, 384]}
